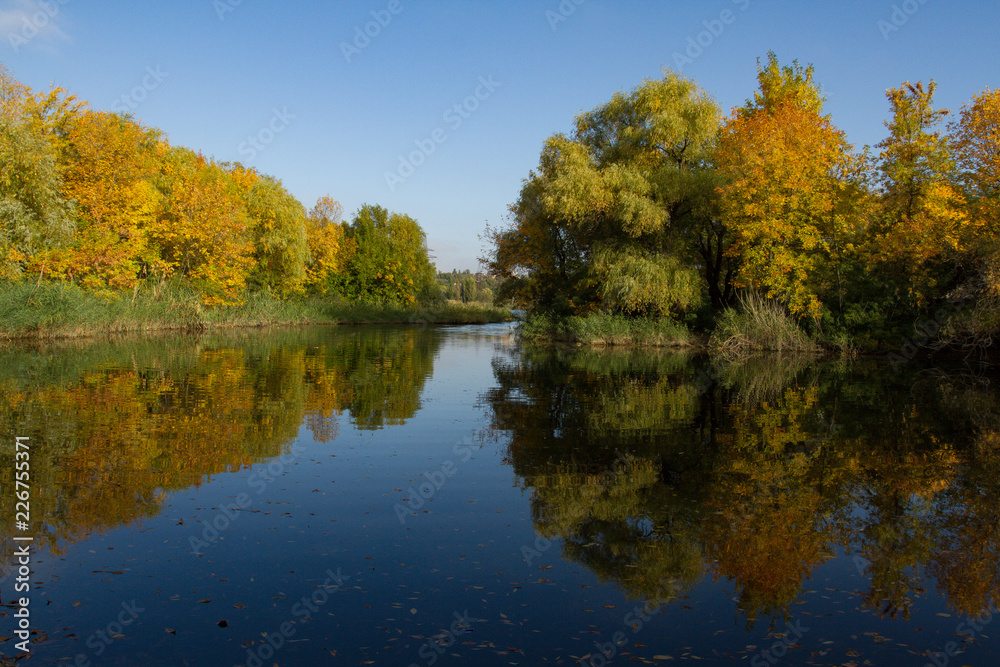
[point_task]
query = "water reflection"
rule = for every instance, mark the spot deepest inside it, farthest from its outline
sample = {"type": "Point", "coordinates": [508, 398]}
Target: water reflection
{"type": "Point", "coordinates": [664, 475]}
{"type": "Point", "coordinates": [115, 426]}
{"type": "Point", "coordinates": [657, 470]}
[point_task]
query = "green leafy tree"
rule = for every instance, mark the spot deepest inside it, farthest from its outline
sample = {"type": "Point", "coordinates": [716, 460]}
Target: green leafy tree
{"type": "Point", "coordinates": [278, 229]}
{"type": "Point", "coordinates": [34, 216]}
{"type": "Point", "coordinates": [621, 215]}
{"type": "Point", "coordinates": [390, 261]}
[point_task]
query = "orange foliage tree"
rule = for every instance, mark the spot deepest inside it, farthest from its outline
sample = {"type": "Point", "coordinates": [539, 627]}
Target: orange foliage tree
{"type": "Point", "coordinates": [789, 175]}
{"type": "Point", "coordinates": [109, 161]}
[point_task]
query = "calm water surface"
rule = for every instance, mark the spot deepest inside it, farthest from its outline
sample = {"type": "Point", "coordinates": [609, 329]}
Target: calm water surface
{"type": "Point", "coordinates": [403, 496]}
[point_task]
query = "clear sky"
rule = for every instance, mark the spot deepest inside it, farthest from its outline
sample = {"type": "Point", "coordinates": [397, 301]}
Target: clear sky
{"type": "Point", "coordinates": [332, 119]}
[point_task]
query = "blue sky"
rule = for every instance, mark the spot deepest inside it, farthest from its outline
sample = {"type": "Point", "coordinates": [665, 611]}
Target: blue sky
{"type": "Point", "coordinates": [212, 74]}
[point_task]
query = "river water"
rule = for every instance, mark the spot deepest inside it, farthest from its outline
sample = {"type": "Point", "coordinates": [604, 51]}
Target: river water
{"type": "Point", "coordinates": [441, 495]}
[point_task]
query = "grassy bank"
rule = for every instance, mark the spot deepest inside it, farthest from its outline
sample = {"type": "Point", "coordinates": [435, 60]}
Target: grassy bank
{"type": "Point", "coordinates": [59, 311]}
{"type": "Point", "coordinates": [602, 329]}
{"type": "Point", "coordinates": [759, 325]}
{"type": "Point", "coordinates": [756, 325]}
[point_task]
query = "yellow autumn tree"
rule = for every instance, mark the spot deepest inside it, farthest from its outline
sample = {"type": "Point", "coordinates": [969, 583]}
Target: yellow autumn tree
{"type": "Point", "coordinates": [922, 228]}
{"type": "Point", "coordinates": [977, 147]}
{"type": "Point", "coordinates": [201, 229]}
{"type": "Point", "coordinates": [328, 249]}
{"type": "Point", "coordinates": [108, 165]}
{"type": "Point", "coordinates": [788, 173]}
{"type": "Point", "coordinates": [977, 144]}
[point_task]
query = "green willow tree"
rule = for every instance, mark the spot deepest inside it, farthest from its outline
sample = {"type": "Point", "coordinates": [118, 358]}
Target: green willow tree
{"type": "Point", "coordinates": [622, 216]}
{"type": "Point", "coordinates": [34, 215]}
{"type": "Point", "coordinates": [278, 229]}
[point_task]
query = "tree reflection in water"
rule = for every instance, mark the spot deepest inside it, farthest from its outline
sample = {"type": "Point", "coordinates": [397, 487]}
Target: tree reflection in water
{"type": "Point", "coordinates": [648, 473]}
{"type": "Point", "coordinates": [113, 427]}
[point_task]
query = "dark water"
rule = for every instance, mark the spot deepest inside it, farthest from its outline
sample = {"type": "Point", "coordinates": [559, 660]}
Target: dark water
{"type": "Point", "coordinates": [395, 496]}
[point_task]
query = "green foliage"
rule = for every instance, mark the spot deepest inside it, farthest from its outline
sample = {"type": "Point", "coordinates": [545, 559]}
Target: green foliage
{"type": "Point", "coordinates": [625, 199]}
{"type": "Point", "coordinates": [925, 234]}
{"type": "Point", "coordinates": [467, 287]}
{"type": "Point", "coordinates": [651, 191]}
{"type": "Point", "coordinates": [52, 310]}
{"type": "Point", "coordinates": [914, 155]}
{"type": "Point", "coordinates": [606, 329]}
{"type": "Point", "coordinates": [390, 262]}
{"type": "Point", "coordinates": [278, 230]}
{"type": "Point", "coordinates": [33, 214]}
{"type": "Point", "coordinates": [643, 283]}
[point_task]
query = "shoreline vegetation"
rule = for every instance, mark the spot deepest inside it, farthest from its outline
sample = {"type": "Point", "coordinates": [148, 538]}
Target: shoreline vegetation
{"type": "Point", "coordinates": [661, 220]}
{"type": "Point", "coordinates": [106, 228]}
{"type": "Point", "coordinates": [757, 325]}
{"type": "Point", "coordinates": [48, 311]}
{"type": "Point", "coordinates": [658, 222]}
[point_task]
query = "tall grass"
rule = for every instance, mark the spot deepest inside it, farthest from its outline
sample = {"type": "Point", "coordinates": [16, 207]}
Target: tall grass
{"type": "Point", "coordinates": [604, 329]}
{"type": "Point", "coordinates": [50, 310]}
{"type": "Point", "coordinates": [759, 324]}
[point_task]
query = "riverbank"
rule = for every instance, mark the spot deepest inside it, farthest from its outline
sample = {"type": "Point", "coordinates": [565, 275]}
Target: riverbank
{"type": "Point", "coordinates": [750, 330]}
{"type": "Point", "coordinates": [608, 330]}
{"type": "Point", "coordinates": [59, 311]}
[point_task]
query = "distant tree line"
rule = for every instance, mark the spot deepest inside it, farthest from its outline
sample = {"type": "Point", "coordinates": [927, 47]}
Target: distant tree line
{"type": "Point", "coordinates": [468, 287]}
